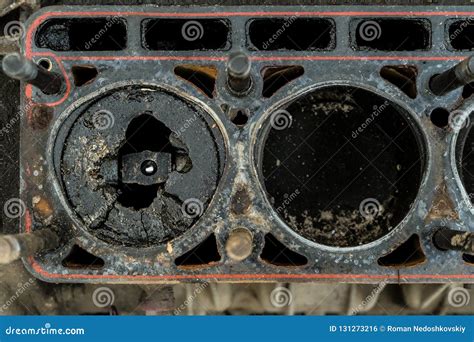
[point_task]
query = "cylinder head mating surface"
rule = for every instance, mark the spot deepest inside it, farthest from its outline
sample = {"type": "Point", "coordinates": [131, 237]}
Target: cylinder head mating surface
{"type": "Point", "coordinates": [158, 159]}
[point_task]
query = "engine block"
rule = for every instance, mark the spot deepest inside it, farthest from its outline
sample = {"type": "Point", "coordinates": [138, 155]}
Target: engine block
{"type": "Point", "coordinates": [285, 144]}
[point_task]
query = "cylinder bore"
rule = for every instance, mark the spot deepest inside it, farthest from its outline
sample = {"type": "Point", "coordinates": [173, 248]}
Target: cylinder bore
{"type": "Point", "coordinates": [341, 165]}
{"type": "Point", "coordinates": [465, 155]}
{"type": "Point", "coordinates": [139, 165]}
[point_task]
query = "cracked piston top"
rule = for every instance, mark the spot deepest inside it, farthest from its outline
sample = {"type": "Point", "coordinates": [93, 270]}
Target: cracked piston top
{"type": "Point", "coordinates": [121, 165]}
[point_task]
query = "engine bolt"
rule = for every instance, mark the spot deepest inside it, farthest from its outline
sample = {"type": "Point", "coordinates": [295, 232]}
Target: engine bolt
{"type": "Point", "coordinates": [238, 73]}
{"type": "Point", "coordinates": [14, 247]}
{"type": "Point", "coordinates": [18, 67]}
{"type": "Point", "coordinates": [239, 245]}
{"type": "Point", "coordinates": [458, 76]}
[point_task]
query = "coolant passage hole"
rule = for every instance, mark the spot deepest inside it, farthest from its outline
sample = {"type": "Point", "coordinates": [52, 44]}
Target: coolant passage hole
{"type": "Point", "coordinates": [342, 165]}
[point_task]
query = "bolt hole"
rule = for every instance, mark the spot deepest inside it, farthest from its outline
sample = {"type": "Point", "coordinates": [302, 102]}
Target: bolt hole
{"type": "Point", "coordinates": [240, 118]}
{"type": "Point", "coordinates": [149, 167]}
{"type": "Point", "coordinates": [45, 63]}
{"type": "Point", "coordinates": [440, 117]}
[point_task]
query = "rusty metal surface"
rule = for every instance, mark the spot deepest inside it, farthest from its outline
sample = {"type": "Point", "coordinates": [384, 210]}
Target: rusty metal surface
{"type": "Point", "coordinates": [240, 199]}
